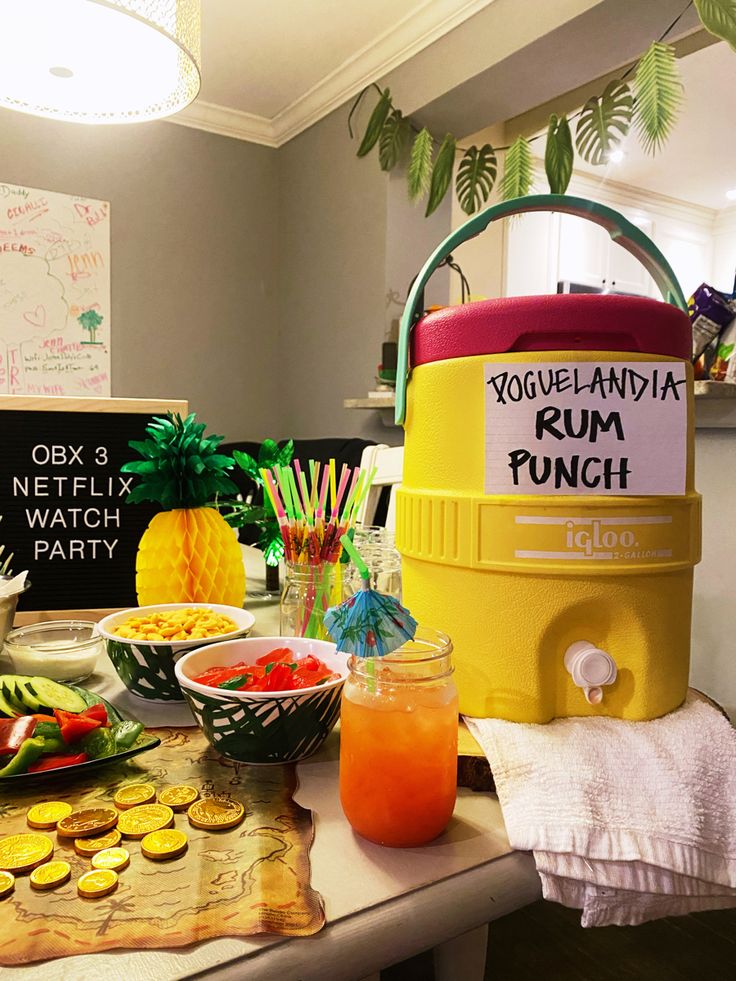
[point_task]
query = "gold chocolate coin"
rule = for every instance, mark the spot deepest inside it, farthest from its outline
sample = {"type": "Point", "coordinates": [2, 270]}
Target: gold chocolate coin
{"type": "Point", "coordinates": [84, 824]}
{"type": "Point", "coordinates": [98, 882]}
{"type": "Point", "coordinates": [178, 798]}
{"type": "Point", "coordinates": [50, 875]}
{"type": "Point", "coordinates": [21, 853]}
{"type": "Point", "coordinates": [48, 814]}
{"type": "Point", "coordinates": [90, 846]}
{"type": "Point", "coordinates": [160, 845]}
{"type": "Point", "coordinates": [138, 821]}
{"type": "Point", "coordinates": [116, 859]}
{"type": "Point", "coordinates": [134, 794]}
{"type": "Point", "coordinates": [216, 813]}
{"type": "Point", "coordinates": [7, 884]}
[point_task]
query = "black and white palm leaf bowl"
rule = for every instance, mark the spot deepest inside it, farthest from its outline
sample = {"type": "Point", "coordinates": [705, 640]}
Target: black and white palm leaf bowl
{"type": "Point", "coordinates": [265, 727]}
{"type": "Point", "coordinates": [146, 668]}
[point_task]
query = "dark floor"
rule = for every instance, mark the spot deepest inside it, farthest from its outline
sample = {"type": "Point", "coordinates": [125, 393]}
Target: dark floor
{"type": "Point", "coordinates": [545, 942]}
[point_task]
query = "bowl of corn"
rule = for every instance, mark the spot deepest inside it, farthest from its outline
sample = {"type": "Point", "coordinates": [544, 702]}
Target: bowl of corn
{"type": "Point", "coordinates": [145, 642]}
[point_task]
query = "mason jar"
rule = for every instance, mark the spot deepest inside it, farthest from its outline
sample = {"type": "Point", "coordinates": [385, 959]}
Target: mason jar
{"type": "Point", "coordinates": [309, 591]}
{"type": "Point", "coordinates": [398, 742]}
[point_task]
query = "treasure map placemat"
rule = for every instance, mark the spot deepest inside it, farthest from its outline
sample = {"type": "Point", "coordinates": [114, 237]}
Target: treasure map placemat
{"type": "Point", "coordinates": [251, 879]}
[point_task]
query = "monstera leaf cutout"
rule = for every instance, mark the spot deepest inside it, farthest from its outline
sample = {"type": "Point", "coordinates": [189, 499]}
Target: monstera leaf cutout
{"type": "Point", "coordinates": [476, 176]}
{"type": "Point", "coordinates": [658, 95]}
{"type": "Point", "coordinates": [604, 122]}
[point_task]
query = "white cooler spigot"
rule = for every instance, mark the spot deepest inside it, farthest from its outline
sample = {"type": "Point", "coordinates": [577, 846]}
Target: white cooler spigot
{"type": "Point", "coordinates": [591, 669]}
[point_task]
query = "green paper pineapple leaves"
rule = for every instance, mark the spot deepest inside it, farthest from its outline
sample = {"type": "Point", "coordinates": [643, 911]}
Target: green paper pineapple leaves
{"type": "Point", "coordinates": [181, 467]}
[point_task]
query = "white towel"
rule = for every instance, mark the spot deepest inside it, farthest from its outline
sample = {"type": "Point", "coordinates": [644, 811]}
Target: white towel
{"type": "Point", "coordinates": [628, 821]}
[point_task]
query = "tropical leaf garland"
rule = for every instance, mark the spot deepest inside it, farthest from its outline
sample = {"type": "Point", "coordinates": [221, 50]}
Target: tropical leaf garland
{"type": "Point", "coordinates": [518, 171]}
{"type": "Point", "coordinates": [375, 123]}
{"type": "Point", "coordinates": [441, 173]}
{"type": "Point", "coordinates": [719, 18]}
{"type": "Point", "coordinates": [658, 95]}
{"type": "Point", "coordinates": [604, 122]}
{"type": "Point", "coordinates": [476, 176]}
{"type": "Point", "coordinates": [393, 140]}
{"type": "Point", "coordinates": [420, 165]}
{"type": "Point", "coordinates": [558, 154]}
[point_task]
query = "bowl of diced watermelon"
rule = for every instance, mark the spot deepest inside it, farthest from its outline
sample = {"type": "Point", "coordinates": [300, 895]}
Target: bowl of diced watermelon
{"type": "Point", "coordinates": [264, 700]}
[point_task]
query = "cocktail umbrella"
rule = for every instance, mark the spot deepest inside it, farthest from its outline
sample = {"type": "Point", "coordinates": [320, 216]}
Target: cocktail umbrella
{"type": "Point", "coordinates": [369, 623]}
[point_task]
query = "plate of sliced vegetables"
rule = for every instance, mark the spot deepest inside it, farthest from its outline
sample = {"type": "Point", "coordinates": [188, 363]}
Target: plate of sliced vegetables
{"type": "Point", "coordinates": [47, 728]}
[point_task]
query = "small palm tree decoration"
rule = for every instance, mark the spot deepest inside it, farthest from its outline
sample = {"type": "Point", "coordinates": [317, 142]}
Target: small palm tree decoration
{"type": "Point", "coordinates": [238, 514]}
{"type": "Point", "coordinates": [90, 320]}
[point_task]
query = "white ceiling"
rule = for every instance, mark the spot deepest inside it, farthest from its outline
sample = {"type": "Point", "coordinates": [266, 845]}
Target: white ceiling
{"type": "Point", "coordinates": [270, 70]}
{"type": "Point", "coordinates": [698, 162]}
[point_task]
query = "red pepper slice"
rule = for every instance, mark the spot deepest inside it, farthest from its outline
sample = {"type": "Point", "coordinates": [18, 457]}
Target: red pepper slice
{"type": "Point", "coordinates": [54, 762]}
{"type": "Point", "coordinates": [277, 654]}
{"type": "Point", "coordinates": [13, 732]}
{"type": "Point", "coordinates": [74, 726]}
{"type": "Point", "coordinates": [97, 711]}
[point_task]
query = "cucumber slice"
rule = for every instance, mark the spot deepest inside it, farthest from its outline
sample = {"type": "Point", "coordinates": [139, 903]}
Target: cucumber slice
{"type": "Point", "coordinates": [58, 696]}
{"type": "Point", "coordinates": [26, 694]}
{"type": "Point", "coordinates": [11, 696]}
{"type": "Point", "coordinates": [7, 710]}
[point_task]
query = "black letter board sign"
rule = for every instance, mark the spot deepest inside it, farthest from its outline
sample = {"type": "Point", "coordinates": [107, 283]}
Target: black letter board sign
{"type": "Point", "coordinates": [62, 497]}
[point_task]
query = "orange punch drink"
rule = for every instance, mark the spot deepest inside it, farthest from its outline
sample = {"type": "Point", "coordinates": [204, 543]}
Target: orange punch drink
{"type": "Point", "coordinates": [398, 743]}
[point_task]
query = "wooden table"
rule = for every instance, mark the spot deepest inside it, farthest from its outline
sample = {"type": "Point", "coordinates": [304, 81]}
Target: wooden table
{"type": "Point", "coordinates": [383, 905]}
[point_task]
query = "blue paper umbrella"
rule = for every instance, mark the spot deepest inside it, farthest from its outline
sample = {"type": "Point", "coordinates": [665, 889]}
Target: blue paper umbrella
{"type": "Point", "coordinates": [369, 624]}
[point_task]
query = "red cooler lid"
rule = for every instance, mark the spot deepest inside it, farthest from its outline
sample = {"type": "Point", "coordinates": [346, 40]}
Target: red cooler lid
{"type": "Point", "coordinates": [558, 322]}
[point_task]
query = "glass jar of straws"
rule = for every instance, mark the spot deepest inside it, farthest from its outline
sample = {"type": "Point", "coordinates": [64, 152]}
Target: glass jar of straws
{"type": "Point", "coordinates": [310, 590]}
{"type": "Point", "coordinates": [313, 513]}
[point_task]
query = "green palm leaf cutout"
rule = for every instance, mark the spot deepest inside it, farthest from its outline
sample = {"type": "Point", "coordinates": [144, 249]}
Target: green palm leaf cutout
{"type": "Point", "coordinates": [658, 95]}
{"type": "Point", "coordinates": [559, 154]}
{"type": "Point", "coordinates": [393, 140]}
{"type": "Point", "coordinates": [375, 124]}
{"type": "Point", "coordinates": [441, 173]}
{"type": "Point", "coordinates": [517, 172]}
{"type": "Point", "coordinates": [604, 122]}
{"type": "Point", "coordinates": [420, 165]}
{"type": "Point", "coordinates": [476, 176]}
{"type": "Point", "coordinates": [719, 18]}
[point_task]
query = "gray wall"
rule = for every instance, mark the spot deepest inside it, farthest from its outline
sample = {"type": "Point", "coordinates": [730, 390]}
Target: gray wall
{"type": "Point", "coordinates": [194, 257]}
{"type": "Point", "coordinates": [331, 281]}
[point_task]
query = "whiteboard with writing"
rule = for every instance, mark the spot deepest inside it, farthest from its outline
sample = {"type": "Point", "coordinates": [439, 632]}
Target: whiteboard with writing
{"type": "Point", "coordinates": [612, 428]}
{"type": "Point", "coordinates": [54, 293]}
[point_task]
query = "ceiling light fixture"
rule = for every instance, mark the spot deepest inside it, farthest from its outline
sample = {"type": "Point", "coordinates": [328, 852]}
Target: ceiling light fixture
{"type": "Point", "coordinates": [100, 61]}
{"type": "Point", "coordinates": [731, 195]}
{"type": "Point", "coordinates": [616, 156]}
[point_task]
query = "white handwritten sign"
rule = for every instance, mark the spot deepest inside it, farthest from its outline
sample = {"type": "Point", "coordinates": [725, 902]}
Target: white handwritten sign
{"type": "Point", "coordinates": [614, 428]}
{"type": "Point", "coordinates": [54, 293]}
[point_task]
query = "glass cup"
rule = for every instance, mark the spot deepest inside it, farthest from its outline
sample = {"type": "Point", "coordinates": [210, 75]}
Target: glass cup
{"type": "Point", "coordinates": [309, 591]}
{"type": "Point", "coordinates": [377, 546]}
{"type": "Point", "coordinates": [398, 742]}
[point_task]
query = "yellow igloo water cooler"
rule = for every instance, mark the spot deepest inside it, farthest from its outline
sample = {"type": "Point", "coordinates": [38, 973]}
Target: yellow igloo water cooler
{"type": "Point", "coordinates": [548, 520]}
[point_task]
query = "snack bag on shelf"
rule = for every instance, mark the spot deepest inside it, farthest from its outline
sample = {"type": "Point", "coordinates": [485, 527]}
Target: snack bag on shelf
{"type": "Point", "coordinates": [710, 313]}
{"type": "Point", "coordinates": [724, 363]}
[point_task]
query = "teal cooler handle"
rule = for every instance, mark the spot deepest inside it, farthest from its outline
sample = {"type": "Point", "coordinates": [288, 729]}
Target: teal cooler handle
{"type": "Point", "coordinates": [621, 231]}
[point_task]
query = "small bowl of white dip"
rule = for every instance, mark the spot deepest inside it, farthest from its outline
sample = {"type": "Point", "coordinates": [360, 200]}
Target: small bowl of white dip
{"type": "Point", "coordinates": [64, 650]}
